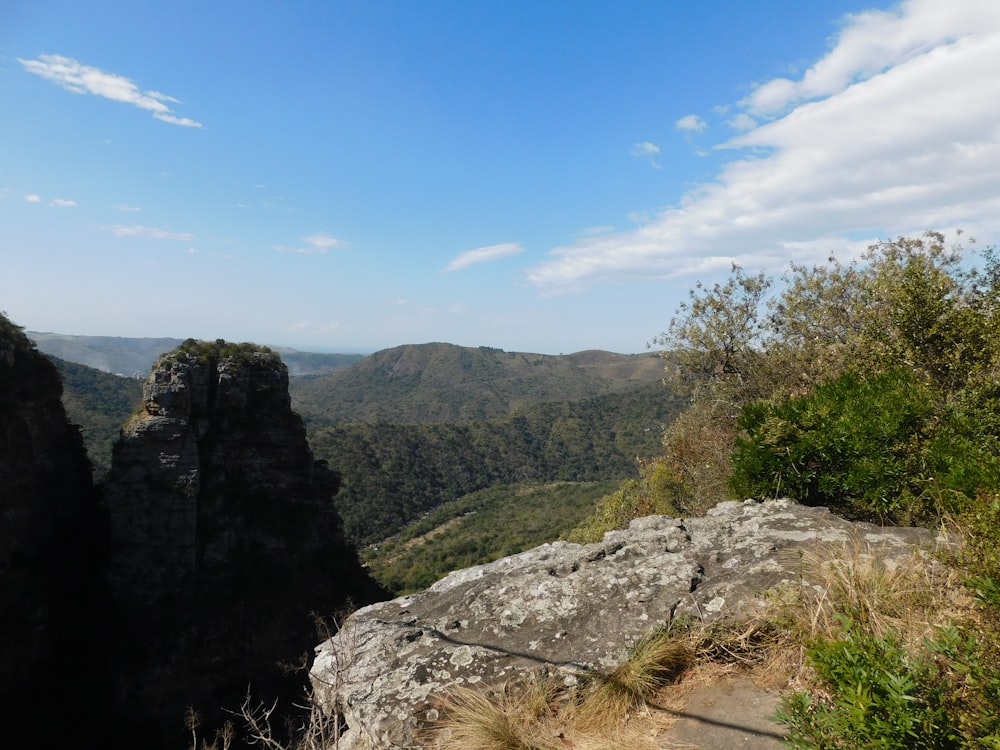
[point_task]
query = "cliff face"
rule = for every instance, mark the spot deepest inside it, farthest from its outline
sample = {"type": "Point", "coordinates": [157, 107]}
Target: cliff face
{"type": "Point", "coordinates": [213, 471]}
{"type": "Point", "coordinates": [224, 539]}
{"type": "Point", "coordinates": [53, 604]}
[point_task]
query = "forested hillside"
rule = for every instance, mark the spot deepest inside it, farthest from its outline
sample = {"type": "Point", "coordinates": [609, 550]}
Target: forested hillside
{"type": "Point", "coordinates": [444, 383]}
{"type": "Point", "coordinates": [393, 473]}
{"type": "Point", "coordinates": [100, 403]}
{"type": "Point", "coordinates": [577, 418]}
{"type": "Point", "coordinates": [481, 527]}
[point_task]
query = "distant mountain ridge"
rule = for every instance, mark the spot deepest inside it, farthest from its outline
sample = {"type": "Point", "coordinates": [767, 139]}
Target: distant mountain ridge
{"type": "Point", "coordinates": [440, 383]}
{"type": "Point", "coordinates": [134, 357]}
{"type": "Point", "coordinates": [111, 354]}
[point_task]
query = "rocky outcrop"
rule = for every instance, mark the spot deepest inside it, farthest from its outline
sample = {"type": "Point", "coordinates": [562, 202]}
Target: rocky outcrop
{"type": "Point", "coordinates": [224, 539]}
{"type": "Point", "coordinates": [53, 604]}
{"type": "Point", "coordinates": [565, 608]}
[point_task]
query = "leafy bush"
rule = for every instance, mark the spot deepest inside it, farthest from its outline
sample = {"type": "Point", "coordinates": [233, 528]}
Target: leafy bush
{"type": "Point", "coordinates": [877, 696]}
{"type": "Point", "coordinates": [849, 443]}
{"type": "Point", "coordinates": [878, 446]}
{"type": "Point", "coordinates": [874, 692]}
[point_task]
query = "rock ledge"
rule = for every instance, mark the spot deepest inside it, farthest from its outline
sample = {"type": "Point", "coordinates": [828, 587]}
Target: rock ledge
{"type": "Point", "coordinates": [566, 608]}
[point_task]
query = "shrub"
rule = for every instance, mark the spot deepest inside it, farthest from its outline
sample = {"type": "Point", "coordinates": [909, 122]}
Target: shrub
{"type": "Point", "coordinates": [877, 696]}
{"type": "Point", "coordinates": [852, 442]}
{"type": "Point", "coordinates": [657, 492]}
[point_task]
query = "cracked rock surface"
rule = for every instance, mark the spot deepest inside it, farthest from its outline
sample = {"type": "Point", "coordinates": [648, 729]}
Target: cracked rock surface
{"type": "Point", "coordinates": [566, 608]}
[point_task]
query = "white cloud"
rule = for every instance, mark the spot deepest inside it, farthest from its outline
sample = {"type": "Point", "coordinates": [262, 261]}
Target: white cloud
{"type": "Point", "coordinates": [483, 255]}
{"type": "Point", "coordinates": [85, 79]}
{"type": "Point", "coordinates": [742, 121]}
{"type": "Point", "coordinates": [151, 233]}
{"type": "Point", "coordinates": [127, 208]}
{"type": "Point", "coordinates": [646, 150]}
{"type": "Point", "coordinates": [876, 41]}
{"type": "Point", "coordinates": [883, 138]}
{"type": "Point", "coordinates": [62, 203]}
{"type": "Point", "coordinates": [316, 244]}
{"type": "Point", "coordinates": [32, 198]}
{"type": "Point", "coordinates": [691, 124]}
{"type": "Point", "coordinates": [174, 120]}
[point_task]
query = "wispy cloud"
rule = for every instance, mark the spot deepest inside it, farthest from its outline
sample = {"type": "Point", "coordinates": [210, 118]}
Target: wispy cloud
{"type": "Point", "coordinates": [127, 208]}
{"type": "Point", "coordinates": [150, 233]}
{"type": "Point", "coordinates": [315, 244]}
{"type": "Point", "coordinates": [62, 203]}
{"type": "Point", "coordinates": [646, 150]}
{"type": "Point", "coordinates": [691, 124]}
{"type": "Point", "coordinates": [33, 198]}
{"type": "Point", "coordinates": [483, 255]}
{"type": "Point", "coordinates": [741, 121]}
{"type": "Point", "coordinates": [894, 130]}
{"type": "Point", "coordinates": [85, 79]}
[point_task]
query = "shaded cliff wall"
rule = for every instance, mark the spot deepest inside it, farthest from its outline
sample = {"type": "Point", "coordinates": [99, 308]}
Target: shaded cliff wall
{"type": "Point", "coordinates": [224, 538]}
{"type": "Point", "coordinates": [54, 606]}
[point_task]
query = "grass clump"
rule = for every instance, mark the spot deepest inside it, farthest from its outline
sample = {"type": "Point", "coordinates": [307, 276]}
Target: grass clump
{"type": "Point", "coordinates": [513, 717]}
{"type": "Point", "coordinates": [544, 713]}
{"type": "Point", "coordinates": [655, 661]}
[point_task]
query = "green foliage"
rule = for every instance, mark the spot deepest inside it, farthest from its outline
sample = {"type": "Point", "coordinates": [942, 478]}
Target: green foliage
{"type": "Point", "coordinates": [195, 351]}
{"type": "Point", "coordinates": [100, 403]}
{"type": "Point", "coordinates": [980, 553]}
{"type": "Point", "coordinates": [715, 339]}
{"type": "Point", "coordinates": [872, 386]}
{"type": "Point", "coordinates": [875, 692]}
{"type": "Point", "coordinates": [879, 446]}
{"type": "Point", "coordinates": [479, 528]}
{"type": "Point", "coordinates": [878, 696]}
{"type": "Point", "coordinates": [656, 492]}
{"type": "Point", "coordinates": [443, 383]}
{"type": "Point", "coordinates": [848, 443]}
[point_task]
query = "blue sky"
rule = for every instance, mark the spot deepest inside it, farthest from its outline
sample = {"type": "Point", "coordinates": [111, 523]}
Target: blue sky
{"type": "Point", "coordinates": [538, 176]}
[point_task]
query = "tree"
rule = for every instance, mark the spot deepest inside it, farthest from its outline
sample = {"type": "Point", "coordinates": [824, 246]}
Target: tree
{"type": "Point", "coordinates": [714, 341]}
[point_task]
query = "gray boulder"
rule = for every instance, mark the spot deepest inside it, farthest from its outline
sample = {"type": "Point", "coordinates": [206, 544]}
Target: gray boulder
{"type": "Point", "coordinates": [565, 608]}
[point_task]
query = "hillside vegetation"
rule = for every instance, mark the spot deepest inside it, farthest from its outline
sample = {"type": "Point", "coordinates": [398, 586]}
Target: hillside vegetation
{"type": "Point", "coordinates": [444, 383]}
{"type": "Point", "coordinates": [479, 528]}
{"type": "Point", "coordinates": [100, 403]}
{"type": "Point", "coordinates": [394, 473]}
{"type": "Point", "coordinates": [577, 418]}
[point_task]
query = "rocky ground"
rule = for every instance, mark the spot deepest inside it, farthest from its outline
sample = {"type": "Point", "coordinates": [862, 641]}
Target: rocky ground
{"type": "Point", "coordinates": [568, 609]}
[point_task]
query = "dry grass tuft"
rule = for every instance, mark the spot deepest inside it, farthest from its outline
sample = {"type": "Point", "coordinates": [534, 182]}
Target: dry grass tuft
{"type": "Point", "coordinates": [881, 594]}
{"type": "Point", "coordinates": [513, 717]}
{"type": "Point", "coordinates": [655, 661]}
